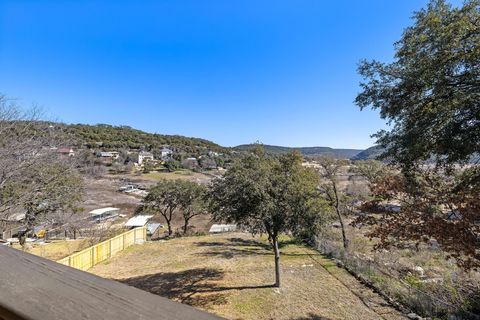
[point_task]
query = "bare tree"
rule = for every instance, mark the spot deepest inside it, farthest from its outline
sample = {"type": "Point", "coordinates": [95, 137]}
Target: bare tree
{"type": "Point", "coordinates": [329, 171]}
{"type": "Point", "coordinates": [33, 177]}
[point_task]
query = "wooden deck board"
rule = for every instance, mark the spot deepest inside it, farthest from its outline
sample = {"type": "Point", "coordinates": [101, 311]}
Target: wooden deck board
{"type": "Point", "coordinates": [32, 287]}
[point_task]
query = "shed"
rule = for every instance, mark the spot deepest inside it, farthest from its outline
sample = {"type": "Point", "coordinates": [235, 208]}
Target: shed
{"type": "Point", "coordinates": [137, 221]}
{"type": "Point", "coordinates": [104, 213]}
{"type": "Point", "coordinates": [152, 228]}
{"type": "Point", "coordinates": [218, 228]}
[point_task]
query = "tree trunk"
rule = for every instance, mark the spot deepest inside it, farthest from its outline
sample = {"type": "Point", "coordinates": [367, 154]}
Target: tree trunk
{"type": "Point", "coordinates": [277, 261]}
{"type": "Point", "coordinates": [185, 226]}
{"type": "Point", "coordinates": [168, 219]}
{"type": "Point", "coordinates": [169, 226]}
{"type": "Point", "coordinates": [337, 209]}
{"type": "Point", "coordinates": [344, 235]}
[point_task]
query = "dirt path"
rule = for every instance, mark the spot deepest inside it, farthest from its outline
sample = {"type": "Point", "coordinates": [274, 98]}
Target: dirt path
{"type": "Point", "coordinates": [231, 275]}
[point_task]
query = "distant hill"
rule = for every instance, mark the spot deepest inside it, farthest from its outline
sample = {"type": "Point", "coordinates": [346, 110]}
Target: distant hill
{"type": "Point", "coordinates": [369, 154]}
{"type": "Point", "coordinates": [374, 152]}
{"type": "Point", "coordinates": [306, 151]}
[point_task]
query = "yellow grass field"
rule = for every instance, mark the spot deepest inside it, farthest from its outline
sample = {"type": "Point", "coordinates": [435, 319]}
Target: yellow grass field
{"type": "Point", "coordinates": [231, 275]}
{"type": "Point", "coordinates": [182, 175]}
{"type": "Point", "coordinates": [56, 250]}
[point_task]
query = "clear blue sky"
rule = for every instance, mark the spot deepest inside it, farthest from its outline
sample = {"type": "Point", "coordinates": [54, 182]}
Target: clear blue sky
{"type": "Point", "coordinates": [281, 72]}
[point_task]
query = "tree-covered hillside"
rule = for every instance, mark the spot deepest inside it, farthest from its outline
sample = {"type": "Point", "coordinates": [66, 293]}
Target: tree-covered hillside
{"type": "Point", "coordinates": [306, 151]}
{"type": "Point", "coordinates": [371, 153]}
{"type": "Point", "coordinates": [115, 137]}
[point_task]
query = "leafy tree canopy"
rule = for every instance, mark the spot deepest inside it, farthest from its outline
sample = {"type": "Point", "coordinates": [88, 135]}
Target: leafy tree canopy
{"type": "Point", "coordinates": [269, 195]}
{"type": "Point", "coordinates": [430, 93]}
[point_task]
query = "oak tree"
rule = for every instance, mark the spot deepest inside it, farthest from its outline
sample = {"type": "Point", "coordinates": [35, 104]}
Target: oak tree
{"type": "Point", "coordinates": [269, 195]}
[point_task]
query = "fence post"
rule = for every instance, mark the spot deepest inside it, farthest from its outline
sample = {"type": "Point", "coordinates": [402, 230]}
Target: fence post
{"type": "Point", "coordinates": [123, 242]}
{"type": "Point", "coordinates": [110, 248]}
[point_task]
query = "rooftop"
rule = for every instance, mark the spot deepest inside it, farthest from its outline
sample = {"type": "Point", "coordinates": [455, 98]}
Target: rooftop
{"type": "Point", "coordinates": [36, 288]}
{"type": "Point", "coordinates": [102, 210]}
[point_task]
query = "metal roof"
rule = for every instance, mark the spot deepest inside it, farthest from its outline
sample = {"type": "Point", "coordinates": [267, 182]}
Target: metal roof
{"type": "Point", "coordinates": [137, 221]}
{"type": "Point", "coordinates": [102, 211]}
{"type": "Point", "coordinates": [152, 227]}
{"type": "Point", "coordinates": [223, 228]}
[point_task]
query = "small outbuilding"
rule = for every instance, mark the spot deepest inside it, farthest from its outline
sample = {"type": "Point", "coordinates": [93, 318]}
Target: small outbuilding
{"type": "Point", "coordinates": [137, 221]}
{"type": "Point", "coordinates": [153, 228]}
{"type": "Point", "coordinates": [102, 214]}
{"type": "Point", "coordinates": [219, 228]}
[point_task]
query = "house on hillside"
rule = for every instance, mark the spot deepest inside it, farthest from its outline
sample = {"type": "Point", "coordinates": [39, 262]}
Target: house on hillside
{"type": "Point", "coordinates": [144, 156]}
{"type": "Point", "coordinates": [190, 163]}
{"type": "Point", "coordinates": [165, 153]}
{"type": "Point", "coordinates": [213, 153]}
{"type": "Point", "coordinates": [64, 151]}
{"type": "Point", "coordinates": [109, 155]}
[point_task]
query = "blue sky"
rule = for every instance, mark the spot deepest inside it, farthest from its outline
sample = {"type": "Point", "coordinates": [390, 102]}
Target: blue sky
{"type": "Point", "coordinates": [280, 72]}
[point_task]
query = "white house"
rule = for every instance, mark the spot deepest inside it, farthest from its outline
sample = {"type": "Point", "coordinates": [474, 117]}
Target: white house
{"type": "Point", "coordinates": [165, 153]}
{"type": "Point", "coordinates": [144, 156]}
{"type": "Point", "coordinates": [109, 154]}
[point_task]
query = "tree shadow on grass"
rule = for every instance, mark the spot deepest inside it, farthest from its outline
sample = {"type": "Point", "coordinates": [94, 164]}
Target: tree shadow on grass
{"type": "Point", "coordinates": [196, 287]}
{"type": "Point", "coordinates": [244, 247]}
{"type": "Point", "coordinates": [311, 316]}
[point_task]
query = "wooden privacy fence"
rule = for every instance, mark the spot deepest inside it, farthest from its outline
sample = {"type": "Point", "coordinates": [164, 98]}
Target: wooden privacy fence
{"type": "Point", "coordinates": [102, 251]}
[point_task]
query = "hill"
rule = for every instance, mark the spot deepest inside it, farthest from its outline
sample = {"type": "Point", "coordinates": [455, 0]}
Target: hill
{"type": "Point", "coordinates": [306, 151]}
{"type": "Point", "coordinates": [374, 152]}
{"type": "Point", "coordinates": [369, 154]}
{"type": "Point", "coordinates": [118, 137]}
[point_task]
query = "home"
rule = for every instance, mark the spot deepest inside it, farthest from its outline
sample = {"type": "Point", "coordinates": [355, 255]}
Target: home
{"type": "Point", "coordinates": [190, 163]}
{"type": "Point", "coordinates": [109, 155]}
{"type": "Point", "coordinates": [165, 153]}
{"type": "Point", "coordinates": [144, 156]}
{"type": "Point", "coordinates": [65, 151]}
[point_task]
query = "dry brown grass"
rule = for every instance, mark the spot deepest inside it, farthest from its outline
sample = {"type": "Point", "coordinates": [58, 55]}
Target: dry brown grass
{"type": "Point", "coordinates": [181, 174]}
{"type": "Point", "coordinates": [231, 275]}
{"type": "Point", "coordinates": [56, 250]}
